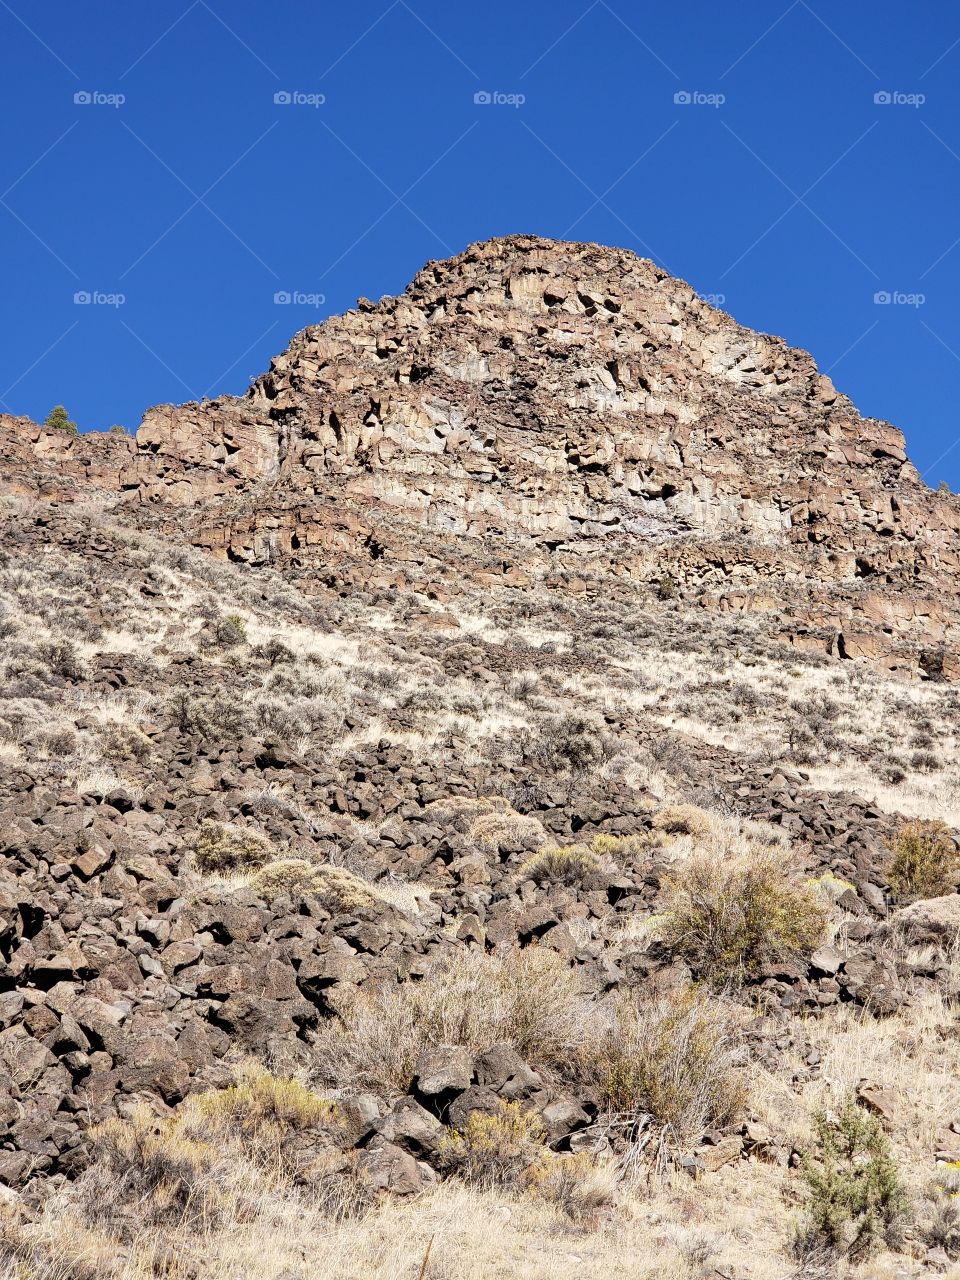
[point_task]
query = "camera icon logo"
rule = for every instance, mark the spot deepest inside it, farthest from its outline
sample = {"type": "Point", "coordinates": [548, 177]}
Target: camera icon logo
{"type": "Point", "coordinates": [882, 298]}
{"type": "Point", "coordinates": [883, 98]}
{"type": "Point", "coordinates": [282, 298]}
{"type": "Point", "coordinates": [282, 98]}
{"type": "Point", "coordinates": [82, 298]}
{"type": "Point", "coordinates": [483, 98]}
{"type": "Point", "coordinates": [82, 98]}
{"type": "Point", "coordinates": [682, 98]}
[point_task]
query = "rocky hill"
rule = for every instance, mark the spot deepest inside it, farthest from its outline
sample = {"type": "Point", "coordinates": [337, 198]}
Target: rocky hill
{"type": "Point", "coordinates": [535, 410]}
{"type": "Point", "coordinates": [535, 692]}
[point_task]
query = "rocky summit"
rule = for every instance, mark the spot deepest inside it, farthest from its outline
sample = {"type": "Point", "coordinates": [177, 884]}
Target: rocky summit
{"type": "Point", "coordinates": [503, 768]}
{"type": "Point", "coordinates": [541, 411]}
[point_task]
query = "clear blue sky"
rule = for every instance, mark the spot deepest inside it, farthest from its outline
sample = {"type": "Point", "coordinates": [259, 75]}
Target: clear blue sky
{"type": "Point", "coordinates": [199, 198]}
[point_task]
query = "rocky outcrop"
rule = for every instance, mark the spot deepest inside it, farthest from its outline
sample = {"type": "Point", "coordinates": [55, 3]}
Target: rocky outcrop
{"type": "Point", "coordinates": [538, 408]}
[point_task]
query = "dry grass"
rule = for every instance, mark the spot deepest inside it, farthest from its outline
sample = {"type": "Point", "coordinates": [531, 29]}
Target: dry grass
{"type": "Point", "coordinates": [737, 1224]}
{"type": "Point", "coordinates": [530, 999]}
{"type": "Point", "coordinates": [671, 1058]}
{"type": "Point", "coordinates": [561, 865]}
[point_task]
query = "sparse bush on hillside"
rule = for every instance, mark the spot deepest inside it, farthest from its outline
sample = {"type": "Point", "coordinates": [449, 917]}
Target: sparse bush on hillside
{"type": "Point", "coordinates": [924, 863]}
{"type": "Point", "coordinates": [219, 850]}
{"type": "Point", "coordinates": [338, 890]}
{"type": "Point", "coordinates": [275, 652]}
{"type": "Point", "coordinates": [622, 849]}
{"type": "Point", "coordinates": [63, 659]}
{"type": "Point", "coordinates": [578, 1185]}
{"type": "Point", "coordinates": [561, 865]}
{"type": "Point", "coordinates": [274, 800]}
{"type": "Point", "coordinates": [938, 1211]}
{"type": "Point", "coordinates": [684, 820]}
{"type": "Point", "coordinates": [570, 864]}
{"type": "Point", "coordinates": [262, 1112]}
{"type": "Point", "coordinates": [210, 1163]}
{"type": "Point", "coordinates": [169, 1176]}
{"type": "Point", "coordinates": [496, 830]}
{"type": "Point", "coordinates": [672, 1058]}
{"type": "Point", "coordinates": [570, 742]}
{"type": "Point", "coordinates": [855, 1201]}
{"type": "Point", "coordinates": [828, 887]}
{"type": "Point", "coordinates": [460, 812]}
{"type": "Point", "coordinates": [501, 1151]}
{"type": "Point", "coordinates": [124, 742]}
{"type": "Point", "coordinates": [60, 420]}
{"type": "Point", "coordinates": [58, 743]}
{"type": "Point", "coordinates": [926, 762]}
{"type": "Point", "coordinates": [215, 716]}
{"type": "Point", "coordinates": [727, 914]}
{"type": "Point", "coordinates": [229, 632]}
{"type": "Point", "coordinates": [530, 999]}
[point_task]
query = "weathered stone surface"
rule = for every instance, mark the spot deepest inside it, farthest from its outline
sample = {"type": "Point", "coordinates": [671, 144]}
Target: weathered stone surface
{"type": "Point", "coordinates": [444, 1068]}
{"type": "Point", "coordinates": [580, 403]}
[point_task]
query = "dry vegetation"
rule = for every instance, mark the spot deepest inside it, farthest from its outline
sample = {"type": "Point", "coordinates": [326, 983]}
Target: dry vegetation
{"type": "Point", "coordinates": [251, 1181]}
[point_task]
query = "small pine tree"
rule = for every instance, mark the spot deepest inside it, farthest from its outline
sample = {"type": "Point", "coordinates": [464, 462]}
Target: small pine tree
{"type": "Point", "coordinates": [855, 1199]}
{"type": "Point", "coordinates": [59, 419]}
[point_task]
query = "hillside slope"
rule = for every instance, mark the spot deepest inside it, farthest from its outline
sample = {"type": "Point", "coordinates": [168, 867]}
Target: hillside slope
{"type": "Point", "coordinates": [365, 744]}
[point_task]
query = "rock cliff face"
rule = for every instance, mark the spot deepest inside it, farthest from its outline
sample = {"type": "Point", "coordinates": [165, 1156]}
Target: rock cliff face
{"type": "Point", "coordinates": [538, 410]}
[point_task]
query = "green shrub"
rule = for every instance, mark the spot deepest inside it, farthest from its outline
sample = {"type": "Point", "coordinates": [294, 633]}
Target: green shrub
{"type": "Point", "coordinates": [729, 915]}
{"type": "Point", "coordinates": [924, 862]}
{"type": "Point", "coordinates": [498, 1151]}
{"type": "Point", "coordinates": [213, 1158]}
{"type": "Point", "coordinates": [267, 1115]}
{"type": "Point", "coordinates": [622, 849]}
{"type": "Point", "coordinates": [570, 864]}
{"type": "Point", "coordinates": [855, 1201]}
{"type": "Point", "coordinates": [222, 849]}
{"type": "Point", "coordinates": [59, 420]}
{"type": "Point", "coordinates": [672, 1058]}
